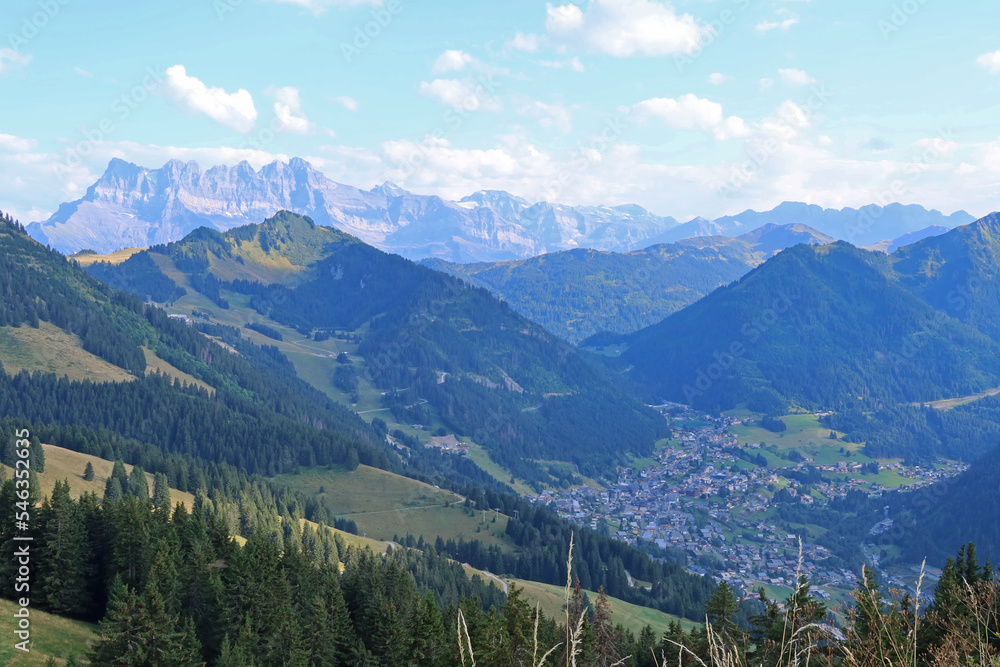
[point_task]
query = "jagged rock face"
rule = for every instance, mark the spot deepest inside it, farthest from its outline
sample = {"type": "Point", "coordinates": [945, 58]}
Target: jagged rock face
{"type": "Point", "coordinates": [130, 206]}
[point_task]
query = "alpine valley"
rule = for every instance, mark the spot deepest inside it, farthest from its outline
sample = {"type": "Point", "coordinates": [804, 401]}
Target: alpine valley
{"type": "Point", "coordinates": [273, 420]}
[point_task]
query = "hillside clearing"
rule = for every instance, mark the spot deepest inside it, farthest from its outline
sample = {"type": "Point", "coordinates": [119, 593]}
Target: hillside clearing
{"type": "Point", "coordinates": [155, 364]}
{"type": "Point", "coordinates": [51, 636]}
{"type": "Point", "coordinates": [49, 349]}
{"type": "Point", "coordinates": [65, 464]}
{"type": "Point", "coordinates": [552, 600]}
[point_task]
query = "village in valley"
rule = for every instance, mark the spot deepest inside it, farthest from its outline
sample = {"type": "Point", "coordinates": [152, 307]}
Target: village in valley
{"type": "Point", "coordinates": [714, 491]}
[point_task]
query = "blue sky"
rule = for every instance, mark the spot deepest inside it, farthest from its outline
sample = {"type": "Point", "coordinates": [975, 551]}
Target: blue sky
{"type": "Point", "coordinates": [694, 107]}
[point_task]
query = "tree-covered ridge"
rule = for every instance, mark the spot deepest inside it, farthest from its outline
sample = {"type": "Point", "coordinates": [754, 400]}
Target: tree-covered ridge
{"type": "Point", "coordinates": [40, 284]}
{"type": "Point", "coordinates": [262, 417]}
{"type": "Point", "coordinates": [139, 275]}
{"type": "Point", "coordinates": [577, 293]}
{"type": "Point", "coordinates": [821, 327]}
{"type": "Point", "coordinates": [958, 273]}
{"type": "Point", "coordinates": [280, 248]}
{"type": "Point", "coordinates": [174, 588]}
{"type": "Point", "coordinates": [932, 522]}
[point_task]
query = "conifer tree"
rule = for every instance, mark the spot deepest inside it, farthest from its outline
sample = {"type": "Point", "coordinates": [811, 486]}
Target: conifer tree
{"type": "Point", "coordinates": [259, 607]}
{"type": "Point", "coordinates": [113, 490]}
{"type": "Point", "coordinates": [427, 636]}
{"type": "Point", "coordinates": [129, 539]}
{"type": "Point", "coordinates": [118, 472]}
{"type": "Point", "coordinates": [119, 641]}
{"type": "Point", "coordinates": [164, 644]}
{"type": "Point", "coordinates": [516, 625]}
{"type": "Point", "coordinates": [200, 583]}
{"type": "Point", "coordinates": [384, 629]}
{"type": "Point", "coordinates": [720, 609]}
{"type": "Point", "coordinates": [339, 627]}
{"type": "Point", "coordinates": [137, 484]}
{"type": "Point", "coordinates": [644, 645]}
{"type": "Point", "coordinates": [606, 636]}
{"type": "Point", "coordinates": [63, 571]}
{"type": "Point", "coordinates": [577, 616]}
{"type": "Point", "coordinates": [37, 455]}
{"type": "Point", "coordinates": [161, 492]}
{"type": "Point", "coordinates": [88, 472]}
{"type": "Point", "coordinates": [232, 655]}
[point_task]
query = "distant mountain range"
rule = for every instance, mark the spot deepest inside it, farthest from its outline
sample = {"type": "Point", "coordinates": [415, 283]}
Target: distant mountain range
{"type": "Point", "coordinates": [577, 293]}
{"type": "Point", "coordinates": [132, 206]}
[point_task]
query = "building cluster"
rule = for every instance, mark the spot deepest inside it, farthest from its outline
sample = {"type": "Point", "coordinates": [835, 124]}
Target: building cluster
{"type": "Point", "coordinates": [703, 497]}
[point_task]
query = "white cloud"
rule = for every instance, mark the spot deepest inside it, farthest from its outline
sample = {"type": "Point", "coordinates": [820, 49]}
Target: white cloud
{"type": "Point", "coordinates": [8, 142]}
{"type": "Point", "coordinates": [235, 110]}
{"type": "Point", "coordinates": [451, 61]}
{"type": "Point", "coordinates": [690, 112]}
{"type": "Point", "coordinates": [459, 95]}
{"type": "Point", "coordinates": [795, 77]}
{"type": "Point", "coordinates": [624, 28]}
{"type": "Point", "coordinates": [11, 60]}
{"type": "Point", "coordinates": [717, 78]}
{"type": "Point", "coordinates": [523, 42]}
{"type": "Point", "coordinates": [991, 61]}
{"type": "Point", "coordinates": [766, 83]}
{"type": "Point", "coordinates": [82, 72]}
{"type": "Point", "coordinates": [573, 64]}
{"type": "Point", "coordinates": [555, 116]}
{"type": "Point", "coordinates": [349, 103]}
{"type": "Point", "coordinates": [288, 110]}
{"type": "Point", "coordinates": [937, 144]}
{"type": "Point", "coordinates": [794, 115]}
{"type": "Point", "coordinates": [768, 26]}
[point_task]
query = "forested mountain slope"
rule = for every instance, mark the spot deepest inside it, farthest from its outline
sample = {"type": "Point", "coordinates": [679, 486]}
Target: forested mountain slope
{"type": "Point", "coordinates": [958, 273]}
{"type": "Point", "coordinates": [817, 326]}
{"type": "Point", "coordinates": [578, 293]}
{"type": "Point", "coordinates": [488, 372]}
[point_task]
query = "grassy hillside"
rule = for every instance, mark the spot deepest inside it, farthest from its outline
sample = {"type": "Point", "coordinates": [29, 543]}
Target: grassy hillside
{"type": "Point", "coordinates": [552, 602]}
{"type": "Point", "coordinates": [51, 636]}
{"type": "Point", "coordinates": [64, 464]}
{"type": "Point", "coordinates": [88, 258]}
{"type": "Point", "coordinates": [366, 490]}
{"type": "Point", "coordinates": [49, 349]}
{"type": "Point", "coordinates": [384, 505]}
{"type": "Point", "coordinates": [314, 361]}
{"type": "Point", "coordinates": [155, 364]}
